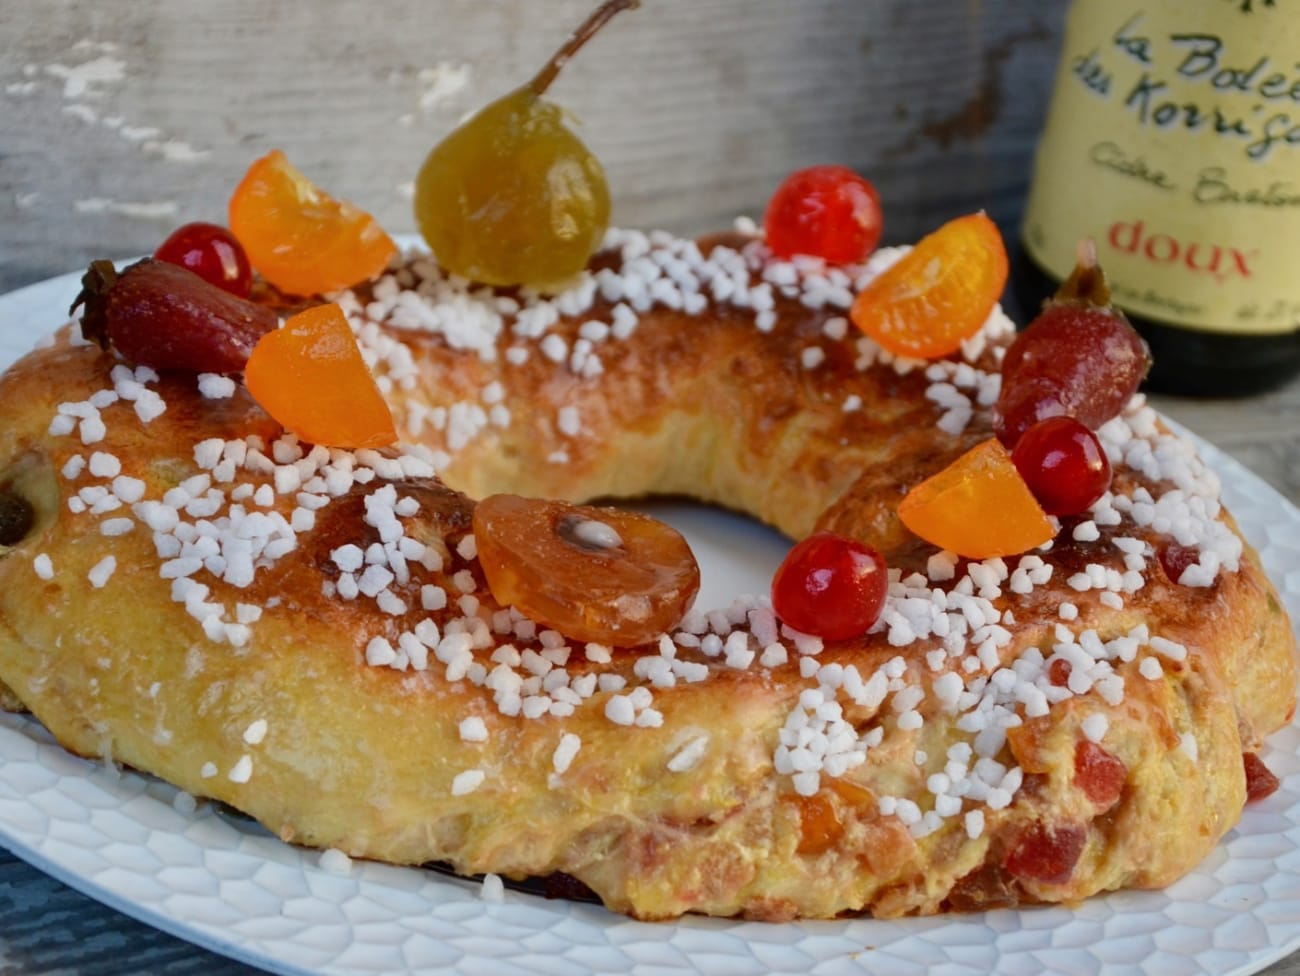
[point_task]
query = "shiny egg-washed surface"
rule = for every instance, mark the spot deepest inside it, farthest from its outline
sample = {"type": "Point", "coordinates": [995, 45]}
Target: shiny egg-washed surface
{"type": "Point", "coordinates": [1269, 705]}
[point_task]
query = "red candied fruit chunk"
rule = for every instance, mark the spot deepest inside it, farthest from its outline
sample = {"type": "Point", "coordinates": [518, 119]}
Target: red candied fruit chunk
{"type": "Point", "coordinates": [1063, 464]}
{"type": "Point", "coordinates": [1046, 853]}
{"type": "Point", "coordinates": [830, 586]}
{"type": "Point", "coordinates": [212, 253]}
{"type": "Point", "coordinates": [829, 212]}
{"type": "Point", "coordinates": [1260, 781]}
{"type": "Point", "coordinates": [1058, 672]}
{"type": "Point", "coordinates": [1100, 774]}
{"type": "Point", "coordinates": [1175, 558]}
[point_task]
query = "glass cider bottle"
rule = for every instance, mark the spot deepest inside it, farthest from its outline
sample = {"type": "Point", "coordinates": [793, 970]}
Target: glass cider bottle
{"type": "Point", "coordinates": [1173, 140]}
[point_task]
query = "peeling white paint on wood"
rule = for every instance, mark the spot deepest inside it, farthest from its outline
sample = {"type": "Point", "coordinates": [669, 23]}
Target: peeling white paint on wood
{"type": "Point", "coordinates": [697, 108]}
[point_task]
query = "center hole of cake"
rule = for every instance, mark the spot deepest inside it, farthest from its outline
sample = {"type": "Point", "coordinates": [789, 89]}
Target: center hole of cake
{"type": "Point", "coordinates": [16, 518]}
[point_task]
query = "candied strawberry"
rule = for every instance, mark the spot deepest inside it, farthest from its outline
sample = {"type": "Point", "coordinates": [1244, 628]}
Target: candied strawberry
{"type": "Point", "coordinates": [165, 316]}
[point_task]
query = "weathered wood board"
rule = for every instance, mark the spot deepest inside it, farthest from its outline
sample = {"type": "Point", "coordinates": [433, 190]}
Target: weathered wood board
{"type": "Point", "coordinates": [119, 120]}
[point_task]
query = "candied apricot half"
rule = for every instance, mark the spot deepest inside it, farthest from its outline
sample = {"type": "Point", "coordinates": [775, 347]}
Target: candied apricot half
{"type": "Point", "coordinates": [602, 575]}
{"type": "Point", "coordinates": [978, 507]}
{"type": "Point", "coordinates": [309, 376]}
{"type": "Point", "coordinates": [939, 293]}
{"type": "Point", "coordinates": [298, 237]}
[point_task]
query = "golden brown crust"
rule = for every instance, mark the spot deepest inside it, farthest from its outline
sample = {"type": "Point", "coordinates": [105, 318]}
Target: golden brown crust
{"type": "Point", "coordinates": [371, 760]}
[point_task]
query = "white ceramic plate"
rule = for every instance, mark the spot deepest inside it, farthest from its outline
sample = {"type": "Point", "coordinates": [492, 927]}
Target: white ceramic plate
{"type": "Point", "coordinates": [233, 888]}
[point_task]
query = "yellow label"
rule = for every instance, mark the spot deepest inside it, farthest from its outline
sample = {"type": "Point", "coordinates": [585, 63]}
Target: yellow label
{"type": "Point", "coordinates": [1174, 142]}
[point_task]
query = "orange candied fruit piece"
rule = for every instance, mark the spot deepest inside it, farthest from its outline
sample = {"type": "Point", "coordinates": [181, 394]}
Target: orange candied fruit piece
{"type": "Point", "coordinates": [939, 293]}
{"type": "Point", "coordinates": [300, 238]}
{"type": "Point", "coordinates": [309, 376]}
{"type": "Point", "coordinates": [977, 507]}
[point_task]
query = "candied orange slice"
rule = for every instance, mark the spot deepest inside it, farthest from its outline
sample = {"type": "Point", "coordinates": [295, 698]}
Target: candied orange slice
{"type": "Point", "coordinates": [603, 575]}
{"type": "Point", "coordinates": [300, 238]}
{"type": "Point", "coordinates": [939, 293]}
{"type": "Point", "coordinates": [309, 376]}
{"type": "Point", "coordinates": [977, 507]}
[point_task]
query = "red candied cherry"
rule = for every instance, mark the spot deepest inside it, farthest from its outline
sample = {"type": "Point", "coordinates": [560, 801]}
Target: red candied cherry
{"type": "Point", "coordinates": [829, 212]}
{"type": "Point", "coordinates": [830, 586]}
{"type": "Point", "coordinates": [1063, 464]}
{"type": "Point", "coordinates": [212, 253]}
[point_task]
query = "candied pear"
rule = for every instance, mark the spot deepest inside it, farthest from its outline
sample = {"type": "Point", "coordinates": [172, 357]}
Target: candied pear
{"type": "Point", "coordinates": [512, 196]}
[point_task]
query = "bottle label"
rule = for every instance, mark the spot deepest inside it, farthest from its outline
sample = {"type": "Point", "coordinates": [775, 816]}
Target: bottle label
{"type": "Point", "coordinates": [1173, 141]}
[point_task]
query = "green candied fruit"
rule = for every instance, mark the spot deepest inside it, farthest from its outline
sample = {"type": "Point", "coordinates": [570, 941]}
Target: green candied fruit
{"type": "Point", "coordinates": [512, 197]}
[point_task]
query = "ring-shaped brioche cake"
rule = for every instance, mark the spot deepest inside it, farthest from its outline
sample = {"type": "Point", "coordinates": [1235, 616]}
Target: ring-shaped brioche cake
{"type": "Point", "coordinates": [305, 634]}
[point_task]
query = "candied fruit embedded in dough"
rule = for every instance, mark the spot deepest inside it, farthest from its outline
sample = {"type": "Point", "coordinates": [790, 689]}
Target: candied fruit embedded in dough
{"type": "Point", "coordinates": [1100, 774]}
{"type": "Point", "coordinates": [1047, 852]}
{"type": "Point", "coordinates": [819, 823]}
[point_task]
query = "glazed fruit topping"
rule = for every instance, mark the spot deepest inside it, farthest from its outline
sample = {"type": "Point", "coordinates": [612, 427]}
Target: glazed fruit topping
{"type": "Point", "coordinates": [1063, 464]}
{"type": "Point", "coordinates": [1260, 780]}
{"type": "Point", "coordinates": [938, 294]}
{"type": "Point", "coordinates": [601, 575]}
{"type": "Point", "coordinates": [978, 507]}
{"type": "Point", "coordinates": [165, 316]}
{"type": "Point", "coordinates": [1079, 358]}
{"type": "Point", "coordinates": [299, 238]}
{"type": "Point", "coordinates": [512, 196]}
{"type": "Point", "coordinates": [309, 376]}
{"type": "Point", "coordinates": [828, 212]}
{"type": "Point", "coordinates": [830, 586]}
{"type": "Point", "coordinates": [1046, 853]}
{"type": "Point", "coordinates": [212, 253]}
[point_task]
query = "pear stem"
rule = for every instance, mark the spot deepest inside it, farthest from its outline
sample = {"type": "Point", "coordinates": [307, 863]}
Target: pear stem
{"type": "Point", "coordinates": [1087, 284]}
{"type": "Point", "coordinates": [599, 17]}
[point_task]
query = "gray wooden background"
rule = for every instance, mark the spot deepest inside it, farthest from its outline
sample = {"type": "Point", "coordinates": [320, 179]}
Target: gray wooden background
{"type": "Point", "coordinates": [120, 119]}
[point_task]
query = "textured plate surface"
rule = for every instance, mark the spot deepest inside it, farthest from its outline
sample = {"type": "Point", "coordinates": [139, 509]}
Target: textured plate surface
{"type": "Point", "coordinates": [231, 887]}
